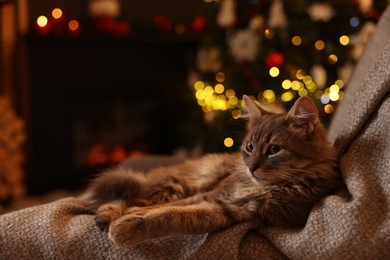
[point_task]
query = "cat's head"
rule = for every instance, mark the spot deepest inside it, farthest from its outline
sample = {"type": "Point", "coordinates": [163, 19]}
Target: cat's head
{"type": "Point", "coordinates": [286, 148]}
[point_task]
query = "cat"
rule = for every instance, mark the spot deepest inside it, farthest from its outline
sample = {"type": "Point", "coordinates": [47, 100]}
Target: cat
{"type": "Point", "coordinates": [285, 165]}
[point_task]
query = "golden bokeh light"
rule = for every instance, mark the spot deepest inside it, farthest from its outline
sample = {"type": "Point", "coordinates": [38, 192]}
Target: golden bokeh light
{"type": "Point", "coordinates": [296, 40]}
{"type": "Point", "coordinates": [199, 85]}
{"type": "Point", "coordinates": [319, 45]}
{"type": "Point", "coordinates": [42, 21]}
{"type": "Point", "coordinates": [287, 96]}
{"type": "Point", "coordinates": [230, 93]}
{"type": "Point", "coordinates": [56, 13]}
{"type": "Point", "coordinates": [269, 95]}
{"type": "Point", "coordinates": [286, 84]}
{"type": "Point", "coordinates": [73, 25]}
{"type": "Point", "coordinates": [274, 72]}
{"type": "Point", "coordinates": [219, 88]}
{"type": "Point", "coordinates": [228, 142]}
{"type": "Point", "coordinates": [269, 34]}
{"type": "Point", "coordinates": [220, 77]}
{"type": "Point", "coordinates": [344, 40]}
{"type": "Point", "coordinates": [332, 59]}
{"type": "Point", "coordinates": [236, 113]}
{"type": "Point", "coordinates": [329, 109]}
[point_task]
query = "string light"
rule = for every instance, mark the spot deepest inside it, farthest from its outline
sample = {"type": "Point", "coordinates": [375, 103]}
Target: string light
{"type": "Point", "coordinates": [287, 96]}
{"type": "Point", "coordinates": [332, 59]}
{"type": "Point", "coordinates": [73, 25]}
{"type": "Point", "coordinates": [56, 13]}
{"type": "Point", "coordinates": [274, 72]}
{"type": "Point", "coordinates": [219, 88]}
{"type": "Point", "coordinates": [228, 142]}
{"type": "Point", "coordinates": [42, 21]}
{"type": "Point", "coordinates": [354, 22]}
{"type": "Point", "coordinates": [296, 40]}
{"type": "Point", "coordinates": [220, 77]}
{"type": "Point", "coordinates": [328, 109]}
{"type": "Point", "coordinates": [269, 34]}
{"type": "Point", "coordinates": [319, 45]}
{"type": "Point", "coordinates": [344, 40]}
{"type": "Point", "coordinates": [286, 84]}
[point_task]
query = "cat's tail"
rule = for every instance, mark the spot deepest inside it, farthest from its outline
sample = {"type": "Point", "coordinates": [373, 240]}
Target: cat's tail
{"type": "Point", "coordinates": [115, 184]}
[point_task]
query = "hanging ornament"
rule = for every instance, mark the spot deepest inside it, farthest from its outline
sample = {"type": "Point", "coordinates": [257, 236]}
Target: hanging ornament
{"type": "Point", "coordinates": [274, 59]}
{"type": "Point", "coordinates": [244, 44]}
{"type": "Point", "coordinates": [226, 16]}
{"type": "Point", "coordinates": [321, 12]}
{"type": "Point", "coordinates": [277, 17]}
{"type": "Point", "coordinates": [319, 75]}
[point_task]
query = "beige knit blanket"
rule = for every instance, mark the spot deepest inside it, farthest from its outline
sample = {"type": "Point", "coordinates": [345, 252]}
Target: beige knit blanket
{"type": "Point", "coordinates": [336, 229]}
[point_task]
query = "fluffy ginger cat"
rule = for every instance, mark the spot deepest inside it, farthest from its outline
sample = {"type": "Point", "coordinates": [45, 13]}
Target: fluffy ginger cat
{"type": "Point", "coordinates": [286, 164]}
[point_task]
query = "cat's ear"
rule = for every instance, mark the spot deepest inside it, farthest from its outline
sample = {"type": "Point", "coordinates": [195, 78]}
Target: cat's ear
{"type": "Point", "coordinates": [303, 115]}
{"type": "Point", "coordinates": [252, 109]}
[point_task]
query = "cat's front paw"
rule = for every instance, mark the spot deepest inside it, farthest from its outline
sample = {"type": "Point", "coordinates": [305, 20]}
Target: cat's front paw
{"type": "Point", "coordinates": [108, 213]}
{"type": "Point", "coordinates": [128, 230]}
{"type": "Point", "coordinates": [137, 225]}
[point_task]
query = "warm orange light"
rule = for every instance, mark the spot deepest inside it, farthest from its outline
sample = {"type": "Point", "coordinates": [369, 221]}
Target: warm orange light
{"type": "Point", "coordinates": [73, 25]}
{"type": "Point", "coordinates": [56, 13]}
{"type": "Point", "coordinates": [42, 21]}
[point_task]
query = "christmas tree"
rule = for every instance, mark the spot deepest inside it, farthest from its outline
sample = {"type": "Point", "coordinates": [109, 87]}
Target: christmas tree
{"type": "Point", "coordinates": [277, 51]}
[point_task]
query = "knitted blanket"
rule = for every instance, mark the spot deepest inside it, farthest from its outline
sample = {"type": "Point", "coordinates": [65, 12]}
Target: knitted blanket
{"type": "Point", "coordinates": [358, 228]}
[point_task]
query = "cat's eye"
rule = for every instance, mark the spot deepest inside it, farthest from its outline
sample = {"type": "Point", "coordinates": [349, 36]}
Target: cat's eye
{"type": "Point", "coordinates": [274, 149]}
{"type": "Point", "coordinates": [249, 147]}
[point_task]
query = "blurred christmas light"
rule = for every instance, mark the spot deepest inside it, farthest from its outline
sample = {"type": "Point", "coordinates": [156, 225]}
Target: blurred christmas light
{"type": "Point", "coordinates": [268, 33]}
{"type": "Point", "coordinates": [354, 22]}
{"type": "Point", "coordinates": [198, 85]}
{"type": "Point", "coordinates": [220, 76]}
{"type": "Point", "coordinates": [296, 40]}
{"type": "Point", "coordinates": [296, 85]}
{"type": "Point", "coordinates": [269, 95]}
{"type": "Point", "coordinates": [228, 142]}
{"type": "Point", "coordinates": [344, 40]}
{"type": "Point", "coordinates": [334, 96]}
{"type": "Point", "coordinates": [219, 88]}
{"type": "Point", "coordinates": [274, 72]}
{"type": "Point", "coordinates": [300, 74]}
{"type": "Point", "coordinates": [230, 93]}
{"type": "Point", "coordinates": [332, 59]}
{"type": "Point", "coordinates": [339, 83]}
{"type": "Point", "coordinates": [319, 45]}
{"type": "Point", "coordinates": [302, 92]}
{"type": "Point", "coordinates": [328, 109]}
{"type": "Point", "coordinates": [42, 21]}
{"type": "Point", "coordinates": [325, 99]}
{"type": "Point", "coordinates": [318, 94]}
{"type": "Point", "coordinates": [236, 113]}
{"type": "Point", "coordinates": [56, 13]}
{"type": "Point", "coordinates": [233, 101]}
{"type": "Point", "coordinates": [286, 84]}
{"type": "Point", "coordinates": [287, 96]}
{"type": "Point", "coordinates": [73, 25]}
{"type": "Point", "coordinates": [334, 88]}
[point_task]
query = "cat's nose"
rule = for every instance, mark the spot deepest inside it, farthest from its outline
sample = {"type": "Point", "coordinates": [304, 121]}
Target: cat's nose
{"type": "Point", "coordinates": [254, 167]}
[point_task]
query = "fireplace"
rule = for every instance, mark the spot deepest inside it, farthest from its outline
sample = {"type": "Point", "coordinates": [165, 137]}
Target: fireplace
{"type": "Point", "coordinates": [97, 101]}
